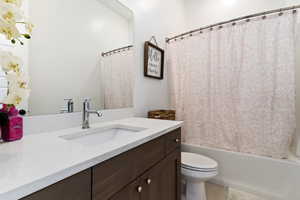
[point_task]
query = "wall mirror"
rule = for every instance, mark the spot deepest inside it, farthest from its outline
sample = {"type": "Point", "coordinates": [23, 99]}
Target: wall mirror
{"type": "Point", "coordinates": [79, 49]}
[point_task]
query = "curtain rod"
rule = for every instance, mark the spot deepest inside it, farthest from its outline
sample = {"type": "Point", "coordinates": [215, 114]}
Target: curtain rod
{"type": "Point", "coordinates": [118, 50]}
{"type": "Point", "coordinates": [234, 20]}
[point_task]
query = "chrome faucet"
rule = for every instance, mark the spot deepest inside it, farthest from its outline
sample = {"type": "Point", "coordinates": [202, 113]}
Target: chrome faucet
{"type": "Point", "coordinates": [86, 113]}
{"type": "Point", "coordinates": [69, 108]}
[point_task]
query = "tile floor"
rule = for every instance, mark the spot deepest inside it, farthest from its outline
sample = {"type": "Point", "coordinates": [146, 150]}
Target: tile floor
{"type": "Point", "coordinates": [217, 192]}
{"type": "Point", "coordinates": [213, 192]}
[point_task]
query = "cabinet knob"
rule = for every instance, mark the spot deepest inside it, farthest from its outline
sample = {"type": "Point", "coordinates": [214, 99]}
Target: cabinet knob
{"type": "Point", "coordinates": [177, 140]}
{"type": "Point", "coordinates": [139, 189]}
{"type": "Point", "coordinates": [149, 181]}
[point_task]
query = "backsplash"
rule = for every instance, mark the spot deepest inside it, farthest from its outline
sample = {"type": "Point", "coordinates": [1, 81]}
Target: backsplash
{"type": "Point", "coordinates": [39, 124]}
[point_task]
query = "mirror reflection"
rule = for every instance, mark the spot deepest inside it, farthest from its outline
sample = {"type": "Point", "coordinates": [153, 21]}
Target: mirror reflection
{"type": "Point", "coordinates": [80, 50]}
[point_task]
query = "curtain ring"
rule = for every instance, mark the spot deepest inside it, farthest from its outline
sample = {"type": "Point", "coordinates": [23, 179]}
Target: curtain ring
{"type": "Point", "coordinates": [280, 14]}
{"type": "Point", "coordinates": [200, 32]}
{"type": "Point", "coordinates": [248, 20]}
{"type": "Point", "coordinates": [294, 11]}
{"type": "Point", "coordinates": [220, 27]}
{"type": "Point", "coordinates": [233, 24]}
{"type": "Point", "coordinates": [211, 29]}
{"type": "Point", "coordinates": [264, 17]}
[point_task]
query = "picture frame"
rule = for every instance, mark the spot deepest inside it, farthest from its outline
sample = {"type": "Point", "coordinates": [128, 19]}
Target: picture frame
{"type": "Point", "coordinates": [153, 61]}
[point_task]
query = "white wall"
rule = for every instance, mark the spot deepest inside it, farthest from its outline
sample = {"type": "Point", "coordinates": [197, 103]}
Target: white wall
{"type": "Point", "coordinates": [206, 12]}
{"type": "Point", "coordinates": [65, 51]}
{"type": "Point", "coordinates": [160, 18]}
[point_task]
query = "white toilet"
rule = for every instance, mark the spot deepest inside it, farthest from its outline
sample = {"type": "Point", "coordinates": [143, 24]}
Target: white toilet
{"type": "Point", "coordinates": [196, 169]}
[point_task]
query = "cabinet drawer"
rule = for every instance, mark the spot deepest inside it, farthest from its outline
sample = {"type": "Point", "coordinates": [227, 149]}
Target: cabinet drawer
{"type": "Point", "coordinates": [149, 154]}
{"type": "Point", "coordinates": [173, 140]}
{"type": "Point", "coordinates": [77, 187]}
{"type": "Point", "coordinates": [112, 175]}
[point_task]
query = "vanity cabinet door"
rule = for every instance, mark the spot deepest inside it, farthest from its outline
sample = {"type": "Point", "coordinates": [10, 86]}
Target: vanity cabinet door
{"type": "Point", "coordinates": [149, 154]}
{"type": "Point", "coordinates": [163, 181]}
{"type": "Point", "coordinates": [130, 192]}
{"type": "Point", "coordinates": [77, 187]}
{"type": "Point", "coordinates": [112, 175]}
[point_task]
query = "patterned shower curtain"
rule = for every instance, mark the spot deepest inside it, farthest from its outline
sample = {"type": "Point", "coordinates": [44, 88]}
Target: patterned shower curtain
{"type": "Point", "coordinates": [234, 86]}
{"type": "Point", "coordinates": [117, 80]}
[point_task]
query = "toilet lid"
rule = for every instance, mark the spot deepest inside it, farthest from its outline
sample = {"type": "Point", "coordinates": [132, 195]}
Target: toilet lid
{"type": "Point", "coordinates": [196, 161]}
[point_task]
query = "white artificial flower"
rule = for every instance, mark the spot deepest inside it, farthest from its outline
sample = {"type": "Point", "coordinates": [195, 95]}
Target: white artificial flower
{"type": "Point", "coordinates": [17, 80]}
{"type": "Point", "coordinates": [9, 62]}
{"type": "Point", "coordinates": [18, 3]}
{"type": "Point", "coordinates": [17, 88]}
{"type": "Point", "coordinates": [10, 14]}
{"type": "Point", "coordinates": [29, 27]}
{"type": "Point", "coordinates": [9, 30]}
{"type": "Point", "coordinates": [16, 96]}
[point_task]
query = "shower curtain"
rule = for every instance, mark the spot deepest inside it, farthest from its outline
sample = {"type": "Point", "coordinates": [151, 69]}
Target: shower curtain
{"type": "Point", "coordinates": [234, 86]}
{"type": "Point", "coordinates": [117, 80]}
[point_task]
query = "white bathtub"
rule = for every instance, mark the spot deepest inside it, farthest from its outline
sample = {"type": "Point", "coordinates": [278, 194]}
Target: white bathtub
{"type": "Point", "coordinates": [272, 179]}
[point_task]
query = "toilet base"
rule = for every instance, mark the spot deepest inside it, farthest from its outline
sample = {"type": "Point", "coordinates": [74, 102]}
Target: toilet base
{"type": "Point", "coordinates": [195, 191]}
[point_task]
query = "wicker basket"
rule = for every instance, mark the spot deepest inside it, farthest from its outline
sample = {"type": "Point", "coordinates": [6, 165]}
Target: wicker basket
{"type": "Point", "coordinates": [162, 114]}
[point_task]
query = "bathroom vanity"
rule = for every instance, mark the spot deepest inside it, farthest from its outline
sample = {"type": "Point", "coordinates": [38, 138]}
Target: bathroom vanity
{"type": "Point", "coordinates": [139, 165]}
{"type": "Point", "coordinates": [150, 171]}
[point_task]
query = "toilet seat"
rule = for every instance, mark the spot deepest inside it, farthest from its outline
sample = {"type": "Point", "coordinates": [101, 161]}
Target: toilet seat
{"type": "Point", "coordinates": [198, 163]}
{"type": "Point", "coordinates": [198, 169]}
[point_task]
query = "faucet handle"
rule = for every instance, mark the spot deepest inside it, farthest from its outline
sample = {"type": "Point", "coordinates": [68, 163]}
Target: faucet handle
{"type": "Point", "coordinates": [69, 100]}
{"type": "Point", "coordinates": [87, 99]}
{"type": "Point", "coordinates": [99, 113]}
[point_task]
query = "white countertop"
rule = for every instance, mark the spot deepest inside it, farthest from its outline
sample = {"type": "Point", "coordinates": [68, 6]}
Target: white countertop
{"type": "Point", "coordinates": [37, 161]}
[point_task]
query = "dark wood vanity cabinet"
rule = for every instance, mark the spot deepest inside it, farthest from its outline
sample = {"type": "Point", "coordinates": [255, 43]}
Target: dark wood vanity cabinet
{"type": "Point", "coordinates": [148, 172]}
{"type": "Point", "coordinates": [77, 187]}
{"type": "Point", "coordinates": [162, 182]}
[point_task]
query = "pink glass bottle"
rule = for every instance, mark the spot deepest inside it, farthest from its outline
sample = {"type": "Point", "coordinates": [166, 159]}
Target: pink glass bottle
{"type": "Point", "coordinates": [13, 130]}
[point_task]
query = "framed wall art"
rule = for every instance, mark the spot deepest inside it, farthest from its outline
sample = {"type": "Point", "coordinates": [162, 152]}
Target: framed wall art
{"type": "Point", "coordinates": [153, 61]}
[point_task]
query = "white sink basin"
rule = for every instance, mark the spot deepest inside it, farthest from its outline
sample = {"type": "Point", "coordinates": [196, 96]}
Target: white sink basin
{"type": "Point", "coordinates": [96, 136]}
